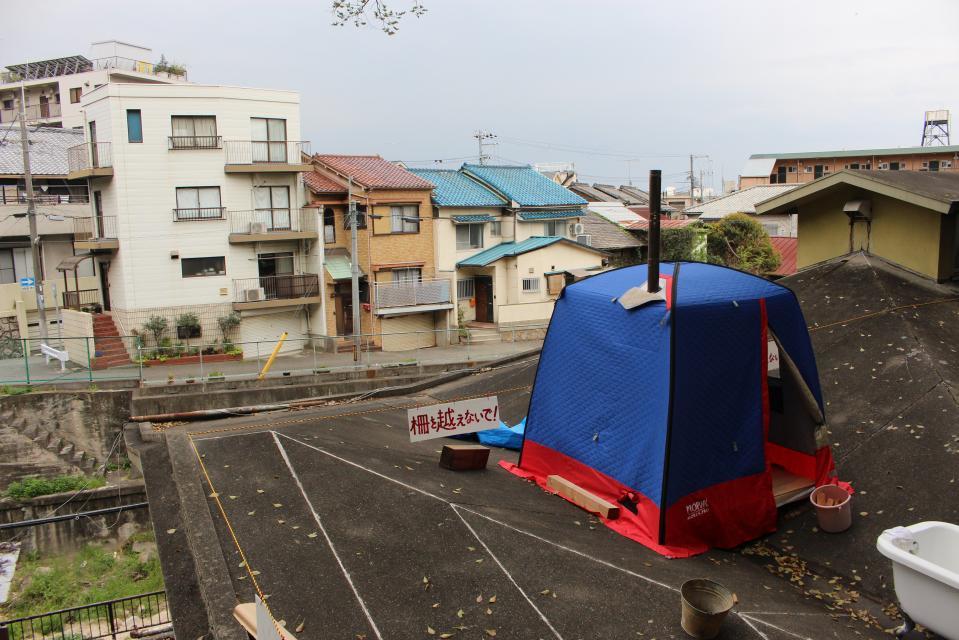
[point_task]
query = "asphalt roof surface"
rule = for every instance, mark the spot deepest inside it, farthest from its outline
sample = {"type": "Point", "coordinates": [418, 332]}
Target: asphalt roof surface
{"type": "Point", "coordinates": [342, 519]}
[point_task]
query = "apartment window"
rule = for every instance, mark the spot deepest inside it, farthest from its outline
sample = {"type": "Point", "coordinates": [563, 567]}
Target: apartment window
{"type": "Point", "coordinates": [771, 229]}
{"type": "Point", "coordinates": [269, 139]}
{"type": "Point", "coordinates": [198, 203]}
{"type": "Point", "coordinates": [530, 285]}
{"type": "Point", "coordinates": [8, 105]}
{"type": "Point", "coordinates": [465, 288]}
{"type": "Point", "coordinates": [272, 206]}
{"type": "Point", "coordinates": [8, 274]}
{"type": "Point", "coordinates": [194, 132]}
{"type": "Point", "coordinates": [75, 94]}
{"type": "Point", "coordinates": [203, 267]}
{"type": "Point", "coordinates": [883, 166]}
{"type": "Point", "coordinates": [792, 169]}
{"type": "Point", "coordinates": [404, 219]}
{"type": "Point", "coordinates": [329, 225]}
{"type": "Point", "coordinates": [808, 169]}
{"type": "Point", "coordinates": [469, 236]}
{"type": "Point", "coordinates": [360, 217]}
{"type": "Point", "coordinates": [946, 164]}
{"type": "Point", "coordinates": [554, 228]}
{"type": "Point", "coordinates": [134, 126]}
{"type": "Point", "coordinates": [854, 165]}
{"type": "Point", "coordinates": [407, 276]}
{"type": "Point", "coordinates": [934, 165]}
{"type": "Point", "coordinates": [496, 229]}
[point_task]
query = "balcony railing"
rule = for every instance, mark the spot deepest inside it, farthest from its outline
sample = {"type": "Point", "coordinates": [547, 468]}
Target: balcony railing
{"type": "Point", "coordinates": [389, 295]}
{"type": "Point", "coordinates": [10, 194]}
{"type": "Point", "coordinates": [95, 228]}
{"type": "Point", "coordinates": [77, 300]}
{"type": "Point", "coordinates": [285, 287]}
{"type": "Point", "coordinates": [198, 213]}
{"type": "Point", "coordinates": [263, 152]}
{"type": "Point", "coordinates": [89, 155]}
{"type": "Point", "coordinates": [33, 112]}
{"type": "Point", "coordinates": [272, 220]}
{"type": "Point", "coordinates": [196, 142]}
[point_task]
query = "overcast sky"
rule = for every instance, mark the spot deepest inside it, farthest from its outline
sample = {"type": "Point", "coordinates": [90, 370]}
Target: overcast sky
{"type": "Point", "coordinates": [592, 82]}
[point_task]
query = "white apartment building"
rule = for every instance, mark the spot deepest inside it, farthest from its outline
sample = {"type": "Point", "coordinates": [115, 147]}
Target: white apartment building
{"type": "Point", "coordinates": [197, 197]}
{"type": "Point", "coordinates": [54, 88]}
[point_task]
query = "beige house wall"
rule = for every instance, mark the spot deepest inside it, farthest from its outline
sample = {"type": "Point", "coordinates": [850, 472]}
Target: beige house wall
{"type": "Point", "coordinates": [799, 173]}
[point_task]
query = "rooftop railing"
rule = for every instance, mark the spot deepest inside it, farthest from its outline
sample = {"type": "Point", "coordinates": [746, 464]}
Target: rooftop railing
{"type": "Point", "coordinates": [33, 112]}
{"type": "Point", "coordinates": [95, 228]}
{"type": "Point", "coordinates": [198, 213]}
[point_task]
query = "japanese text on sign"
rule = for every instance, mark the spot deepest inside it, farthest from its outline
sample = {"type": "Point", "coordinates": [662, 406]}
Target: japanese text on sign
{"type": "Point", "coordinates": [449, 419]}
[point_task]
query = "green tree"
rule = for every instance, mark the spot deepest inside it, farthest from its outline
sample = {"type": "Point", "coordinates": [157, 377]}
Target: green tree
{"type": "Point", "coordinates": [156, 326]}
{"type": "Point", "coordinates": [740, 242]}
{"type": "Point", "coordinates": [356, 11]}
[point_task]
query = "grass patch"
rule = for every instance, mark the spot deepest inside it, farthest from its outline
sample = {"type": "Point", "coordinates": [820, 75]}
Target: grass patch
{"type": "Point", "coordinates": [7, 390]}
{"type": "Point", "coordinates": [87, 576]}
{"type": "Point", "coordinates": [33, 487]}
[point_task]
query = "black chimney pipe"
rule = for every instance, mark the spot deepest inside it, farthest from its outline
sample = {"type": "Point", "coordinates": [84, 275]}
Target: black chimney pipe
{"type": "Point", "coordinates": [652, 253]}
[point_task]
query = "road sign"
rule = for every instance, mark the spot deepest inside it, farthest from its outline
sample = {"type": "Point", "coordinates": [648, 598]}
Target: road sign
{"type": "Point", "coordinates": [452, 418]}
{"type": "Point", "coordinates": [26, 283]}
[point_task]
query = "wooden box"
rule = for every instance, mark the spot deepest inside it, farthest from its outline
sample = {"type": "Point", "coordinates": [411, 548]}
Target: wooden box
{"type": "Point", "coordinates": [464, 457]}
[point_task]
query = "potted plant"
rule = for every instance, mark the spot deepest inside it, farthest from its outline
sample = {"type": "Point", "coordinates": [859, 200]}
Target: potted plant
{"type": "Point", "coordinates": [227, 324]}
{"type": "Point", "coordinates": [188, 326]}
{"type": "Point", "coordinates": [156, 326]}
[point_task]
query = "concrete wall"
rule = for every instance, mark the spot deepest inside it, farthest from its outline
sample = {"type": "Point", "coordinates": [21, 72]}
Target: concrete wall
{"type": "Point", "coordinates": [804, 170]}
{"type": "Point", "coordinates": [69, 535]}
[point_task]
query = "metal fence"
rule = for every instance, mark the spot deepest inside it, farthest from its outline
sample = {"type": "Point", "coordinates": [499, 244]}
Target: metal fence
{"type": "Point", "coordinates": [260, 221]}
{"type": "Point", "coordinates": [265, 151]}
{"type": "Point", "coordinates": [108, 619]}
{"type": "Point", "coordinates": [90, 155]}
{"type": "Point", "coordinates": [203, 360]}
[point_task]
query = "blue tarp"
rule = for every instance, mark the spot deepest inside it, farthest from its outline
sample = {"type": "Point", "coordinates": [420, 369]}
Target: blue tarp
{"type": "Point", "coordinates": [505, 436]}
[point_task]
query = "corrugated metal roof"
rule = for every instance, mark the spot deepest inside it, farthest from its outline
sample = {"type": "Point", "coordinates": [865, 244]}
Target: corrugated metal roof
{"type": "Point", "coordinates": [455, 189]}
{"type": "Point", "coordinates": [524, 185]}
{"type": "Point", "coordinates": [757, 167]}
{"type": "Point", "coordinates": [552, 214]}
{"type": "Point", "coordinates": [48, 149]}
{"type": "Point", "coordinates": [619, 194]}
{"type": "Point", "coordinates": [481, 217]}
{"type": "Point", "coordinates": [338, 264]}
{"type": "Point", "coordinates": [743, 201]}
{"type": "Point", "coordinates": [615, 212]}
{"type": "Point", "coordinates": [590, 193]}
{"type": "Point", "coordinates": [788, 249]}
{"type": "Point", "coordinates": [373, 172]}
{"type": "Point", "coordinates": [510, 249]}
{"type": "Point", "coordinates": [856, 153]}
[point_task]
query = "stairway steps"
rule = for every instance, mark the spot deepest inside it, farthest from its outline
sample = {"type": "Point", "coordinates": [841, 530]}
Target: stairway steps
{"type": "Point", "coordinates": [108, 345]}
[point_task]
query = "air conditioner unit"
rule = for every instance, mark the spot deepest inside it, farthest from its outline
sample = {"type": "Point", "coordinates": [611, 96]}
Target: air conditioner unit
{"type": "Point", "coordinates": [254, 295]}
{"type": "Point", "coordinates": [584, 239]}
{"type": "Point", "coordinates": [257, 227]}
{"type": "Point", "coordinates": [578, 229]}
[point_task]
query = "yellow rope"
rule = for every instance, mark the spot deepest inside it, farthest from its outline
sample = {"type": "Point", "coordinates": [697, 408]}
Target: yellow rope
{"type": "Point", "coordinates": [236, 542]}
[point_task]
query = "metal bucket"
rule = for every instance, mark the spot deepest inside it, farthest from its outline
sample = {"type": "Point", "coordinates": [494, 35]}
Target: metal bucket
{"type": "Point", "coordinates": [705, 605]}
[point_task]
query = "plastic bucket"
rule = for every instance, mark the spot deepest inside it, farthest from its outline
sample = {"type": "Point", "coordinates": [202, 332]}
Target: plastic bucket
{"type": "Point", "coordinates": [705, 605]}
{"type": "Point", "coordinates": [833, 507]}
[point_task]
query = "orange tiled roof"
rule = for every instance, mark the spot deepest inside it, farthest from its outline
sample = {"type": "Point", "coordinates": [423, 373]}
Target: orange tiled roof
{"type": "Point", "coordinates": [373, 172]}
{"type": "Point", "coordinates": [319, 183]}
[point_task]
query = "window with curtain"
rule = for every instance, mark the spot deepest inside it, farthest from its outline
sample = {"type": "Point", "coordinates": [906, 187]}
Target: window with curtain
{"type": "Point", "coordinates": [272, 206]}
{"type": "Point", "coordinates": [194, 132]}
{"type": "Point", "coordinates": [404, 219]}
{"type": "Point", "coordinates": [198, 203]}
{"type": "Point", "coordinates": [269, 139]}
{"type": "Point", "coordinates": [134, 125]}
{"type": "Point", "coordinates": [407, 276]}
{"type": "Point", "coordinates": [203, 267]}
{"type": "Point", "coordinates": [554, 228]}
{"type": "Point", "coordinates": [469, 236]}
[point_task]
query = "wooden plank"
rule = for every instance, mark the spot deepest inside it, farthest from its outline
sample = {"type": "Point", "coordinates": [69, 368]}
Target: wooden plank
{"type": "Point", "coordinates": [788, 487]}
{"type": "Point", "coordinates": [245, 614]}
{"type": "Point", "coordinates": [582, 498]}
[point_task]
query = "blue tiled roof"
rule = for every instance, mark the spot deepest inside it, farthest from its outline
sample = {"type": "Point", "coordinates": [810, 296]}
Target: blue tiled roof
{"type": "Point", "coordinates": [554, 214]}
{"type": "Point", "coordinates": [510, 249]}
{"type": "Point", "coordinates": [481, 217]}
{"type": "Point", "coordinates": [524, 185]}
{"type": "Point", "coordinates": [453, 189]}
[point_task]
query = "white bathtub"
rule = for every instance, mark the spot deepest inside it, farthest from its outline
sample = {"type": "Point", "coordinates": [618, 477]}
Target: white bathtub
{"type": "Point", "coordinates": [927, 579]}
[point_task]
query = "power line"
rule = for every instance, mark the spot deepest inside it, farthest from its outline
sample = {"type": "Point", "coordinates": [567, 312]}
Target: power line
{"type": "Point", "coordinates": [587, 150]}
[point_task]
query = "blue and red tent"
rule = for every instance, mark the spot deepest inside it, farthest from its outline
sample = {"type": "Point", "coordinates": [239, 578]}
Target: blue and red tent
{"type": "Point", "coordinates": [669, 409]}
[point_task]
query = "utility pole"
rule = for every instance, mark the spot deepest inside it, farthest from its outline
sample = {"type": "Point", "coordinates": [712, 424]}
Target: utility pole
{"type": "Point", "coordinates": [481, 141]}
{"type": "Point", "coordinates": [652, 236]}
{"type": "Point", "coordinates": [692, 179]}
{"type": "Point", "coordinates": [32, 217]}
{"type": "Point", "coordinates": [354, 273]}
{"type": "Point", "coordinates": [702, 188]}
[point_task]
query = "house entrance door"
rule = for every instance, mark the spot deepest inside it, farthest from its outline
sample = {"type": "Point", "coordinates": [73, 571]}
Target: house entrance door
{"type": "Point", "coordinates": [484, 298]}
